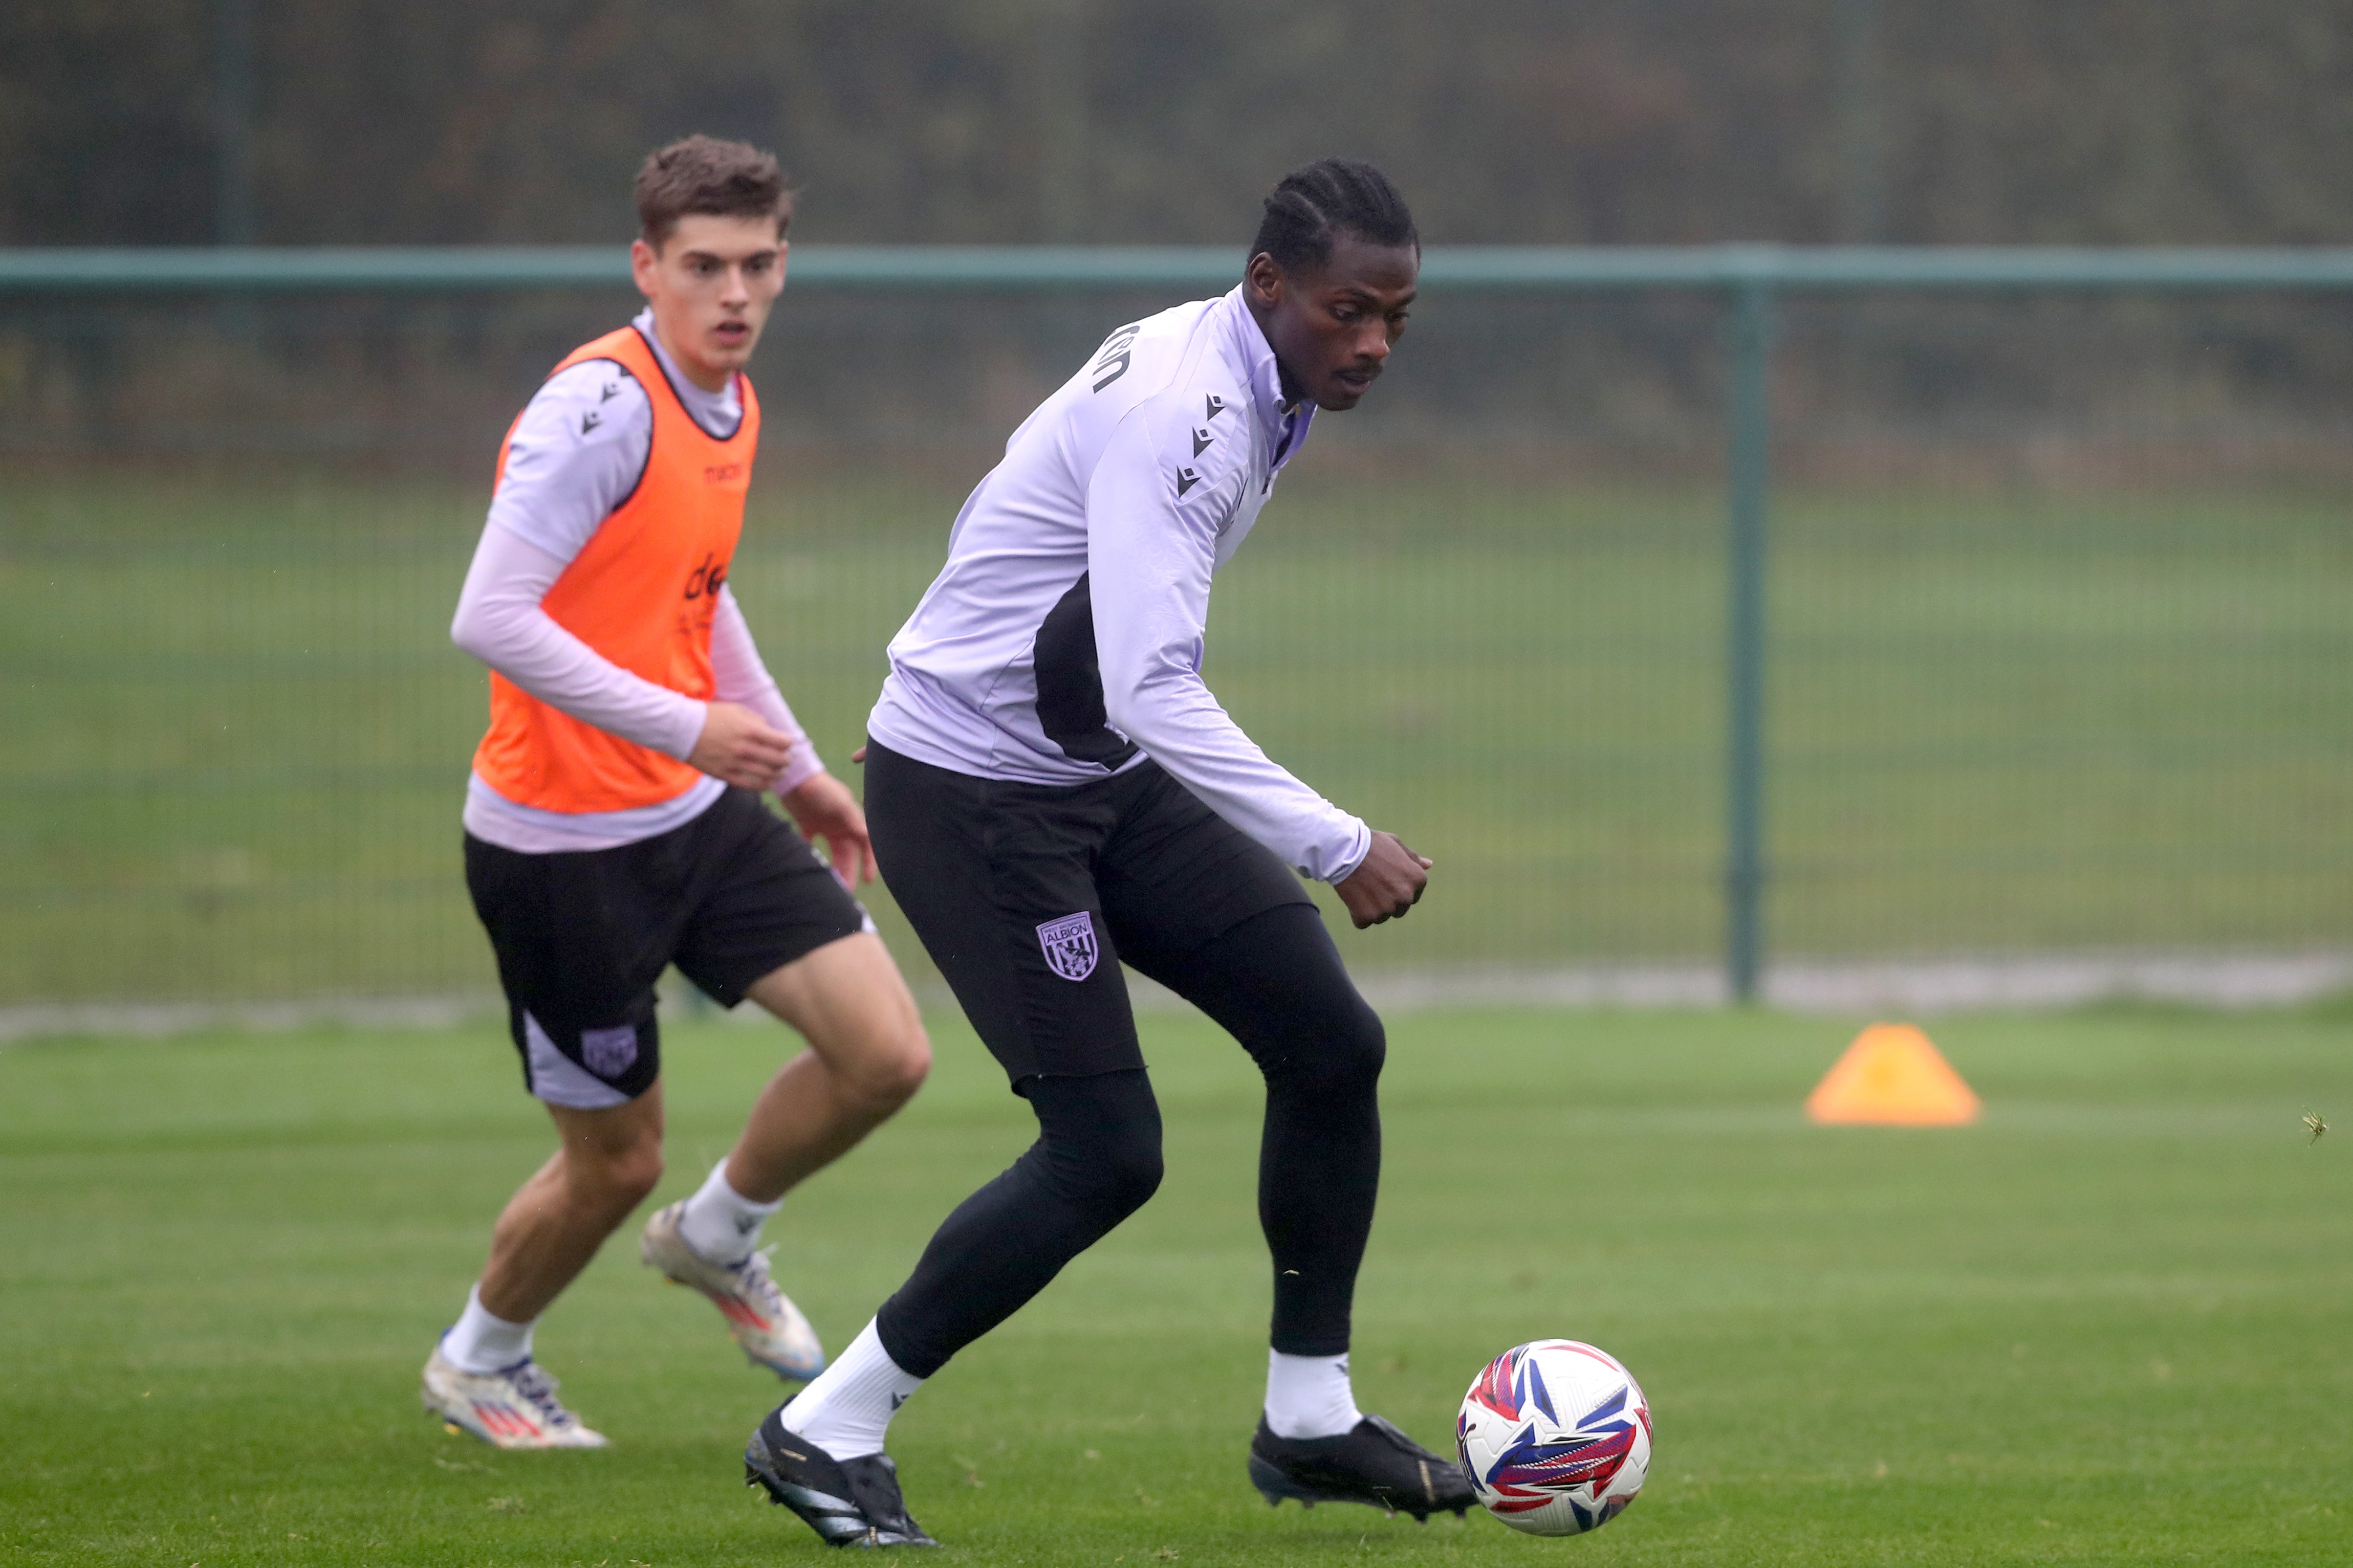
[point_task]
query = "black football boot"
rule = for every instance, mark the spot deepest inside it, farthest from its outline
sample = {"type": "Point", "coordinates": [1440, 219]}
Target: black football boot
{"type": "Point", "coordinates": [849, 1502]}
{"type": "Point", "coordinates": [1373, 1463]}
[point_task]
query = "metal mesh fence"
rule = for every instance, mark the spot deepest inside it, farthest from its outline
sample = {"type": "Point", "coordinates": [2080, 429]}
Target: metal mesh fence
{"type": "Point", "coordinates": [2059, 612]}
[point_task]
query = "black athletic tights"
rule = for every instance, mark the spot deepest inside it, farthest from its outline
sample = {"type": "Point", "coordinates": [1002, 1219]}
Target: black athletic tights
{"type": "Point", "coordinates": [1276, 984]}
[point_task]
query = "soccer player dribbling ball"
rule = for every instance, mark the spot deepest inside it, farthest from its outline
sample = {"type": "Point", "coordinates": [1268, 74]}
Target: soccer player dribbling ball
{"type": "Point", "coordinates": [1054, 792]}
{"type": "Point", "coordinates": [614, 823]}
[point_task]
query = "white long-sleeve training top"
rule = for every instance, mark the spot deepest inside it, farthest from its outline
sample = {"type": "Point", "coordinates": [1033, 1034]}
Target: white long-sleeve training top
{"type": "Point", "coordinates": [575, 455]}
{"type": "Point", "coordinates": [1062, 640]}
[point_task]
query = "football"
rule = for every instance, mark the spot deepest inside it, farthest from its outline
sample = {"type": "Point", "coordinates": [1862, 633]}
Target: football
{"type": "Point", "coordinates": [1556, 1436]}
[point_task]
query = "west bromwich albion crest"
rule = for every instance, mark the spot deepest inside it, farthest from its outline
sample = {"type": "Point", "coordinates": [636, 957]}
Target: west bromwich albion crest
{"type": "Point", "coordinates": [609, 1053]}
{"type": "Point", "coordinates": [1069, 944]}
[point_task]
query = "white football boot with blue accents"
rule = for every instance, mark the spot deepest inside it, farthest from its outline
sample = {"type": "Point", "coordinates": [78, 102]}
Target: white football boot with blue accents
{"type": "Point", "coordinates": [513, 1407]}
{"type": "Point", "coordinates": [771, 1332]}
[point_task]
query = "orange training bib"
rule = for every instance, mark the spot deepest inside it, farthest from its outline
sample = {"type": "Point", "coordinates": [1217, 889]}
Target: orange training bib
{"type": "Point", "coordinates": [642, 594]}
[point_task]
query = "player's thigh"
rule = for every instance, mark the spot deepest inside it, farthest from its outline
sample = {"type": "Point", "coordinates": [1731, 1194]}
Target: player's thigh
{"type": "Point", "coordinates": [760, 902]}
{"type": "Point", "coordinates": [1214, 916]}
{"type": "Point", "coordinates": [1177, 875]}
{"type": "Point", "coordinates": [997, 880]}
{"type": "Point", "coordinates": [848, 1001]}
{"type": "Point", "coordinates": [1276, 984]}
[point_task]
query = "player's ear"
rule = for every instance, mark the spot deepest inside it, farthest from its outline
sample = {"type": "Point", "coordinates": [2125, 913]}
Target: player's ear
{"type": "Point", "coordinates": [1264, 277]}
{"type": "Point", "coordinates": [643, 260]}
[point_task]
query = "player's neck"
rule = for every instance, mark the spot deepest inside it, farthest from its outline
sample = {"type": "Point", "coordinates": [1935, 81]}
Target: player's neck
{"type": "Point", "coordinates": [704, 376]}
{"type": "Point", "coordinates": [1288, 385]}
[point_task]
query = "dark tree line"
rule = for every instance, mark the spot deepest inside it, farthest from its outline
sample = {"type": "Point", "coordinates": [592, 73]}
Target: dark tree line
{"type": "Point", "coordinates": [1606, 122]}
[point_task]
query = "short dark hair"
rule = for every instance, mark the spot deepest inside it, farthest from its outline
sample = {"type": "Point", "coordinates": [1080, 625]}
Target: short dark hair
{"type": "Point", "coordinates": [1331, 196]}
{"type": "Point", "coordinates": [703, 175]}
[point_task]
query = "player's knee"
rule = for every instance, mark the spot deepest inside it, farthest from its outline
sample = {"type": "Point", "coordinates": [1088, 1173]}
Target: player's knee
{"type": "Point", "coordinates": [1106, 1175]}
{"type": "Point", "coordinates": [1127, 1174]}
{"type": "Point", "coordinates": [892, 1068]}
{"type": "Point", "coordinates": [1099, 1143]}
{"type": "Point", "coordinates": [1360, 1045]}
{"type": "Point", "coordinates": [621, 1176]}
{"type": "Point", "coordinates": [636, 1176]}
{"type": "Point", "coordinates": [1339, 1053]}
{"type": "Point", "coordinates": [909, 1063]}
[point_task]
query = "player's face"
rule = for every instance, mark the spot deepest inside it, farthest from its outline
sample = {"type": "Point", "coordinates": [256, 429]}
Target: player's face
{"type": "Point", "coordinates": [1332, 329]}
{"type": "Point", "coordinates": [711, 285]}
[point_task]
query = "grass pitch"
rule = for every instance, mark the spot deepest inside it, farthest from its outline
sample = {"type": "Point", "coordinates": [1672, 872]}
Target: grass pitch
{"type": "Point", "coordinates": [2106, 1325]}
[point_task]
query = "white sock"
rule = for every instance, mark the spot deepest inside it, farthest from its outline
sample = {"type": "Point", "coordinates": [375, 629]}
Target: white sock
{"type": "Point", "coordinates": [1309, 1396]}
{"type": "Point", "coordinates": [721, 1223]}
{"type": "Point", "coordinates": [847, 1411]}
{"type": "Point", "coordinates": [482, 1343]}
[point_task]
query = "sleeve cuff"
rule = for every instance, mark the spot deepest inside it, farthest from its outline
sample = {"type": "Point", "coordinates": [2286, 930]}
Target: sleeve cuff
{"type": "Point", "coordinates": [1362, 847]}
{"type": "Point", "coordinates": [685, 727]}
{"type": "Point", "coordinates": [806, 766]}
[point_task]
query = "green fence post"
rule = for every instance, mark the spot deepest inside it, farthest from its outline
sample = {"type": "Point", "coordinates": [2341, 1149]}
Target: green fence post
{"type": "Point", "coordinates": [1750, 465]}
{"type": "Point", "coordinates": [233, 100]}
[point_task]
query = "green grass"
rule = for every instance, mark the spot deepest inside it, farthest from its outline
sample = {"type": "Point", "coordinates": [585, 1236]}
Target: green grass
{"type": "Point", "coordinates": [2018, 721]}
{"type": "Point", "coordinates": [2105, 1326]}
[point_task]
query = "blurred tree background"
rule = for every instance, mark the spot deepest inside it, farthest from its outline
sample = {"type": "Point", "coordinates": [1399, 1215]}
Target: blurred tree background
{"type": "Point", "coordinates": [324, 122]}
{"type": "Point", "coordinates": [2058, 584]}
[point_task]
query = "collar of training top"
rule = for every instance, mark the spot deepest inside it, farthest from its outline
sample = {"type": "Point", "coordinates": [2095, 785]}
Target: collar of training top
{"type": "Point", "coordinates": [720, 412]}
{"type": "Point", "coordinates": [1257, 355]}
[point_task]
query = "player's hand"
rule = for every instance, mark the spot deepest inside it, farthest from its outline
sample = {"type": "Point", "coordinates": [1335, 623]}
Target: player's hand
{"type": "Point", "coordinates": [823, 808]}
{"type": "Point", "coordinates": [1387, 884]}
{"type": "Point", "coordinates": [740, 747]}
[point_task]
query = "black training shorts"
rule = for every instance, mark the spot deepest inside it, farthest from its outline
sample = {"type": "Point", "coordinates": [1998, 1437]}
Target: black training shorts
{"type": "Point", "coordinates": [1029, 897]}
{"type": "Point", "coordinates": [582, 935]}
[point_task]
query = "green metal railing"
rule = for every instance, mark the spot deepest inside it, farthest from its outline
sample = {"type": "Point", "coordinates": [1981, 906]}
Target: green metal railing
{"type": "Point", "coordinates": [1750, 279]}
{"type": "Point", "coordinates": [1004, 267]}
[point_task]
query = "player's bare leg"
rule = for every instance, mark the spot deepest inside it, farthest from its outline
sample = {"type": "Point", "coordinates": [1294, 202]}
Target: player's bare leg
{"type": "Point", "coordinates": [486, 1382]}
{"type": "Point", "coordinates": [609, 1161]}
{"type": "Point", "coordinates": [866, 1056]}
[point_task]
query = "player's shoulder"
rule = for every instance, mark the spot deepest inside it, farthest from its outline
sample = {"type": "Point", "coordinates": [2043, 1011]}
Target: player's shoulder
{"type": "Point", "coordinates": [592, 403]}
{"type": "Point", "coordinates": [1144, 357]}
{"type": "Point", "coordinates": [1196, 426]}
{"type": "Point", "coordinates": [1158, 392]}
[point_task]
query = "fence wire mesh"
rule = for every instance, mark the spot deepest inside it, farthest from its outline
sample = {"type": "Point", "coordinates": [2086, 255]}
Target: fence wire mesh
{"type": "Point", "coordinates": [2059, 594]}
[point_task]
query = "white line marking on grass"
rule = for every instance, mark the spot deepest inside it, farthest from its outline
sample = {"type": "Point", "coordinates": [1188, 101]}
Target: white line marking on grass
{"type": "Point", "coordinates": [1915, 986]}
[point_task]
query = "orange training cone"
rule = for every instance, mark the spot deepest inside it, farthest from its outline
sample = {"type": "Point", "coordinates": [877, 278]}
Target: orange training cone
{"type": "Point", "coordinates": [1892, 1077]}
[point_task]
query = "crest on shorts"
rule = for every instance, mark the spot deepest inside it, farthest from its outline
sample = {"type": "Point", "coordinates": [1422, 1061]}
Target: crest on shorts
{"type": "Point", "coordinates": [1069, 944]}
{"type": "Point", "coordinates": [609, 1053]}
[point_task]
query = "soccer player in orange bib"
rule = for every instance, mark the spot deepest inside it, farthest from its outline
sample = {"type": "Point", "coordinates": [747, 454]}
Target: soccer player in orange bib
{"type": "Point", "coordinates": [614, 824]}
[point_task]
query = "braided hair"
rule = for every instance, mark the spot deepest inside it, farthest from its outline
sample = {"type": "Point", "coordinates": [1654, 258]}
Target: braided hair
{"type": "Point", "coordinates": [1331, 196]}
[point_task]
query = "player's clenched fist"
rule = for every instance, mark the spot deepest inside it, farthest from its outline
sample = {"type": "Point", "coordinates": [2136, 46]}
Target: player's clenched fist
{"type": "Point", "coordinates": [740, 747]}
{"type": "Point", "coordinates": [1386, 884]}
